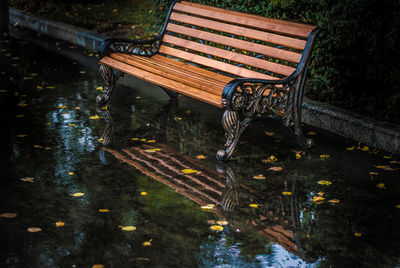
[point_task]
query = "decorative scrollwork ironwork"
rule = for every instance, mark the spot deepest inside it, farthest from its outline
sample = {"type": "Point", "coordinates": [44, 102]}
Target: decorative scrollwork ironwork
{"type": "Point", "coordinates": [142, 49]}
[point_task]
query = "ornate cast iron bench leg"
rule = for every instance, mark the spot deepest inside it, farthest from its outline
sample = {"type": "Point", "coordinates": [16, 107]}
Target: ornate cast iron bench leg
{"type": "Point", "coordinates": [110, 77]}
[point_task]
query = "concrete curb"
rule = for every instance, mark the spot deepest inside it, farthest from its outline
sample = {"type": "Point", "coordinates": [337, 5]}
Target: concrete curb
{"type": "Point", "coordinates": [382, 135]}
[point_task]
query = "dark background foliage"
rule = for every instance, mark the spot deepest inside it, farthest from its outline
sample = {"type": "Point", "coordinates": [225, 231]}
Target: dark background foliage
{"type": "Point", "coordinates": [356, 65]}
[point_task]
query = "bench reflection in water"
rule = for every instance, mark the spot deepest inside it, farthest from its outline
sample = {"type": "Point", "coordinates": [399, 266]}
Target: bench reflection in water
{"type": "Point", "coordinates": [278, 221]}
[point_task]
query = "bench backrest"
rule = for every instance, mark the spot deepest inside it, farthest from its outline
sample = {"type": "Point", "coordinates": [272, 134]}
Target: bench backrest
{"type": "Point", "coordinates": [240, 44]}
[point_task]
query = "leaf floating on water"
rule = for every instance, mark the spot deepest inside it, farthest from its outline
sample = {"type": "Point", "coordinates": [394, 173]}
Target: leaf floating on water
{"type": "Point", "coordinates": [350, 148]}
{"type": "Point", "coordinates": [324, 182]}
{"type": "Point", "coordinates": [276, 169]}
{"type": "Point", "coordinates": [177, 118]}
{"type": "Point", "coordinates": [48, 123]}
{"type": "Point", "coordinates": [222, 223]}
{"type": "Point", "coordinates": [147, 243]}
{"type": "Point", "coordinates": [380, 185]}
{"type": "Point", "coordinates": [151, 141]}
{"type": "Point", "coordinates": [334, 201]}
{"type": "Point", "coordinates": [97, 266]}
{"type": "Point", "coordinates": [208, 207]}
{"type": "Point", "coordinates": [62, 107]}
{"type": "Point", "coordinates": [22, 136]}
{"type": "Point", "coordinates": [8, 215]}
{"type": "Point", "coordinates": [100, 88]}
{"type": "Point", "coordinates": [19, 115]}
{"type": "Point", "coordinates": [298, 156]}
{"type": "Point", "coordinates": [71, 173]}
{"type": "Point", "coordinates": [373, 173]}
{"type": "Point", "coordinates": [34, 229]}
{"type": "Point", "coordinates": [100, 140]}
{"type": "Point", "coordinates": [385, 167]}
{"type": "Point", "coordinates": [398, 206]}
{"type": "Point", "coordinates": [37, 146]}
{"type": "Point", "coordinates": [269, 133]}
{"type": "Point", "coordinates": [189, 171]}
{"type": "Point", "coordinates": [318, 199]}
{"type": "Point", "coordinates": [394, 162]}
{"type": "Point", "coordinates": [128, 228]}
{"type": "Point", "coordinates": [60, 224]}
{"type": "Point", "coordinates": [3, 90]}
{"type": "Point", "coordinates": [50, 87]}
{"type": "Point", "coordinates": [287, 193]}
{"type": "Point", "coordinates": [152, 150]}
{"type": "Point", "coordinates": [27, 179]}
{"type": "Point", "coordinates": [259, 177]}
{"type": "Point", "coordinates": [254, 205]}
{"type": "Point", "coordinates": [312, 133]}
{"type": "Point", "coordinates": [78, 194]}
{"type": "Point", "coordinates": [200, 156]}
{"type": "Point", "coordinates": [270, 159]}
{"type": "Point", "coordinates": [104, 210]}
{"type": "Point", "coordinates": [143, 193]}
{"type": "Point", "coordinates": [324, 156]}
{"type": "Point", "coordinates": [358, 234]}
{"type": "Point", "coordinates": [387, 156]}
{"type": "Point", "coordinates": [71, 125]}
{"type": "Point", "coordinates": [135, 139]}
{"type": "Point", "coordinates": [364, 148]}
{"type": "Point", "coordinates": [142, 139]}
{"type": "Point", "coordinates": [217, 228]}
{"type": "Point", "coordinates": [82, 72]}
{"type": "Point", "coordinates": [94, 117]}
{"type": "Point", "coordinates": [187, 112]}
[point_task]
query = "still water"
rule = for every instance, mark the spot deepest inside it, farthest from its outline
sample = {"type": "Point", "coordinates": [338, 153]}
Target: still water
{"type": "Point", "coordinates": [136, 184]}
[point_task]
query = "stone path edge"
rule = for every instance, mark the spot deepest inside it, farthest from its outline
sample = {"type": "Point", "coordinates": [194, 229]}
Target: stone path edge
{"type": "Point", "coordinates": [381, 135]}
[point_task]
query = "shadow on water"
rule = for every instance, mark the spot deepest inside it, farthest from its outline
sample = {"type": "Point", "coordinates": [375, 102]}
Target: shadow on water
{"type": "Point", "coordinates": [150, 163]}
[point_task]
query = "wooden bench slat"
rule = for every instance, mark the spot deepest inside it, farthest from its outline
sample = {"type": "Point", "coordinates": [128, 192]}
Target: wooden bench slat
{"type": "Point", "coordinates": [240, 31]}
{"type": "Point", "coordinates": [164, 82]}
{"type": "Point", "coordinates": [229, 55]}
{"type": "Point", "coordinates": [213, 63]}
{"type": "Point", "coordinates": [161, 62]}
{"type": "Point", "coordinates": [232, 42]}
{"type": "Point", "coordinates": [187, 78]}
{"type": "Point", "coordinates": [278, 26]}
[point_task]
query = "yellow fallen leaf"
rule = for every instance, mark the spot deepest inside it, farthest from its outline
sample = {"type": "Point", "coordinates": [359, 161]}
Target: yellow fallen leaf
{"type": "Point", "coordinates": [3, 90]}
{"type": "Point", "coordinates": [312, 133]}
{"type": "Point", "coordinates": [142, 139]}
{"type": "Point", "coordinates": [60, 224]}
{"type": "Point", "coordinates": [254, 205]}
{"type": "Point", "coordinates": [385, 167]}
{"type": "Point", "coordinates": [364, 148]}
{"type": "Point", "coordinates": [19, 115]}
{"type": "Point", "coordinates": [39, 87]}
{"type": "Point", "coordinates": [71, 125]}
{"type": "Point", "coordinates": [387, 156]}
{"type": "Point", "coordinates": [48, 123]}
{"type": "Point", "coordinates": [34, 74]}
{"type": "Point", "coordinates": [78, 194]}
{"type": "Point", "coordinates": [321, 193]}
{"type": "Point", "coordinates": [34, 229]}
{"type": "Point", "coordinates": [47, 148]}
{"type": "Point", "coordinates": [373, 173]}
{"type": "Point", "coordinates": [62, 107]}
{"type": "Point", "coordinates": [259, 177]}
{"type": "Point", "coordinates": [152, 150]}
{"type": "Point", "coordinates": [270, 159]}
{"type": "Point", "coordinates": [143, 193]}
{"type": "Point", "coordinates": [82, 72]}
{"type": "Point", "coordinates": [77, 108]}
{"type": "Point", "coordinates": [135, 139]}
{"type": "Point", "coordinates": [287, 193]}
{"type": "Point", "coordinates": [269, 133]}
{"type": "Point", "coordinates": [71, 173]}
{"type": "Point", "coordinates": [350, 148]}
{"type": "Point", "coordinates": [276, 169]}
{"type": "Point", "coordinates": [151, 141]}
{"type": "Point", "coordinates": [318, 199]}
{"type": "Point", "coordinates": [22, 136]}
{"type": "Point", "coordinates": [50, 87]}
{"type": "Point", "coordinates": [222, 223]}
{"type": "Point", "coordinates": [324, 156]}
{"type": "Point", "coordinates": [22, 104]}
{"type": "Point", "coordinates": [208, 207]}
{"type": "Point", "coordinates": [37, 146]}
{"type": "Point", "coordinates": [8, 215]}
{"type": "Point", "coordinates": [380, 185]}
{"type": "Point", "coordinates": [90, 54]}
{"type": "Point", "coordinates": [177, 118]}
{"type": "Point", "coordinates": [217, 228]}
{"type": "Point", "coordinates": [324, 182]}
{"type": "Point", "coordinates": [187, 112]}
{"type": "Point", "coordinates": [298, 156]}
{"type": "Point", "coordinates": [394, 162]}
{"type": "Point", "coordinates": [334, 201]}
{"type": "Point", "coordinates": [128, 228]}
{"type": "Point", "coordinates": [115, 10]}
{"type": "Point", "coordinates": [97, 266]}
{"type": "Point", "coordinates": [398, 206]}
{"type": "Point", "coordinates": [147, 243]}
{"type": "Point", "coordinates": [94, 117]}
{"type": "Point", "coordinates": [357, 234]}
{"type": "Point", "coordinates": [100, 88]}
{"type": "Point", "coordinates": [100, 140]}
{"type": "Point", "coordinates": [189, 171]}
{"type": "Point", "coordinates": [104, 210]}
{"type": "Point", "coordinates": [200, 156]}
{"type": "Point", "coordinates": [27, 179]}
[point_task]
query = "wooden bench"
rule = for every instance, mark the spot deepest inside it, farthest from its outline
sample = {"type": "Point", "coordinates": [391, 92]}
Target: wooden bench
{"type": "Point", "coordinates": [251, 66]}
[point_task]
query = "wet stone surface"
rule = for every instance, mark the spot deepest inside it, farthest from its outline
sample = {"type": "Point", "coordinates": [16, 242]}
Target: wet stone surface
{"type": "Point", "coordinates": [136, 184]}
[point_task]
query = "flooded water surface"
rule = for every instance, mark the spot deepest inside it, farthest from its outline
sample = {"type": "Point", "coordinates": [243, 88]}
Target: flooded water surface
{"type": "Point", "coordinates": [136, 183]}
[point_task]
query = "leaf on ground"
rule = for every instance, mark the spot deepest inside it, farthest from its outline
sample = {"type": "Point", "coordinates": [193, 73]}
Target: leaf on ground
{"type": "Point", "coordinates": [222, 223]}
{"type": "Point", "coordinates": [270, 159]}
{"type": "Point", "coordinates": [259, 177]}
{"type": "Point", "coordinates": [104, 210]}
{"type": "Point", "coordinates": [176, 118]}
{"type": "Point", "coordinates": [94, 117]}
{"type": "Point", "coordinates": [350, 148]}
{"type": "Point", "coordinates": [298, 156]}
{"type": "Point", "coordinates": [189, 171]}
{"type": "Point", "coordinates": [312, 133]}
{"type": "Point", "coordinates": [254, 205]}
{"type": "Point", "coordinates": [388, 168]}
{"type": "Point", "coordinates": [37, 146]}
{"type": "Point", "coordinates": [287, 193]}
{"type": "Point", "coordinates": [187, 112]}
{"type": "Point", "coordinates": [27, 179]}
{"type": "Point", "coordinates": [147, 243]}
{"type": "Point", "coordinates": [334, 201]}
{"type": "Point", "coordinates": [78, 194]}
{"type": "Point", "coordinates": [276, 169]}
{"type": "Point", "coordinates": [217, 228]}
{"type": "Point", "coordinates": [60, 224]}
{"type": "Point", "coordinates": [364, 148]}
{"type": "Point", "coordinates": [208, 207]}
{"type": "Point", "coordinates": [380, 185]}
{"type": "Point", "coordinates": [128, 228]}
{"type": "Point", "coordinates": [8, 215]}
{"type": "Point", "coordinates": [143, 193]}
{"type": "Point", "coordinates": [34, 229]}
{"type": "Point", "coordinates": [269, 133]}
{"type": "Point", "coordinates": [200, 156]}
{"type": "Point", "coordinates": [324, 182]}
{"type": "Point", "coordinates": [324, 156]}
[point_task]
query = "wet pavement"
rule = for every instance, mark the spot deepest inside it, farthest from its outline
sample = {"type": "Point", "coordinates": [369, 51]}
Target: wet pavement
{"type": "Point", "coordinates": [136, 183]}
